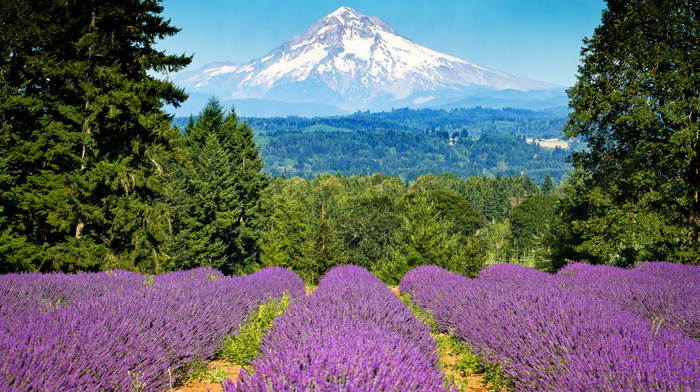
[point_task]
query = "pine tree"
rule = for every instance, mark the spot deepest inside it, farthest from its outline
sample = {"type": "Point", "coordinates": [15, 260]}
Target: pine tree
{"type": "Point", "coordinates": [531, 220]}
{"type": "Point", "coordinates": [423, 238]}
{"type": "Point", "coordinates": [83, 133]}
{"type": "Point", "coordinates": [212, 220]}
{"type": "Point", "coordinates": [286, 233]}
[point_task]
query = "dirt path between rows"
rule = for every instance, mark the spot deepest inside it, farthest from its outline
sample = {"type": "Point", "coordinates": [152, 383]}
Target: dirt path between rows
{"type": "Point", "coordinates": [219, 370]}
{"type": "Point", "coordinates": [466, 383]}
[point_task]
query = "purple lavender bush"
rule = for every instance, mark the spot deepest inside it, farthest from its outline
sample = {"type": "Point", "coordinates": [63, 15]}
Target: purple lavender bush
{"type": "Point", "coordinates": [351, 334]}
{"type": "Point", "coordinates": [586, 329]}
{"type": "Point", "coordinates": [120, 331]}
{"type": "Point", "coordinates": [666, 294]}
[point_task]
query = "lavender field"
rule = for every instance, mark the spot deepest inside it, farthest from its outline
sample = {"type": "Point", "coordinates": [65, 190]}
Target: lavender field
{"type": "Point", "coordinates": [584, 329]}
{"type": "Point", "coordinates": [351, 334]}
{"type": "Point", "coordinates": [121, 331]}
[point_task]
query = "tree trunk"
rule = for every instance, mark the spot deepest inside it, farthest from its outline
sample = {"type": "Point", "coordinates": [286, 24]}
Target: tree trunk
{"type": "Point", "coordinates": [87, 128]}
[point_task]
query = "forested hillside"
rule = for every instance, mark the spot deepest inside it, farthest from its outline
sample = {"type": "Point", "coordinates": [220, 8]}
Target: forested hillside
{"type": "Point", "coordinates": [473, 121]}
{"type": "Point", "coordinates": [407, 155]}
{"type": "Point", "coordinates": [410, 143]}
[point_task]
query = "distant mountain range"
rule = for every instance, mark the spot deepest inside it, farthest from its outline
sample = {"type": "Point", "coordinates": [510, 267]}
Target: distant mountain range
{"type": "Point", "coordinates": [348, 62]}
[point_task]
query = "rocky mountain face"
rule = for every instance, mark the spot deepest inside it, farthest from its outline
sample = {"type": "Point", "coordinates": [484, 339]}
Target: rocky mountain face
{"type": "Point", "coordinates": [355, 62]}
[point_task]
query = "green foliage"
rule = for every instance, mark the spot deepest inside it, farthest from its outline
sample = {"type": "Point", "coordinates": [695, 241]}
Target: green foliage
{"type": "Point", "coordinates": [219, 202]}
{"type": "Point", "coordinates": [137, 384]}
{"type": "Point", "coordinates": [411, 143]}
{"type": "Point", "coordinates": [621, 234]}
{"type": "Point", "coordinates": [199, 369]}
{"type": "Point", "coordinates": [148, 281]}
{"type": "Point", "coordinates": [531, 220]}
{"type": "Point", "coordinates": [498, 238]}
{"type": "Point", "coordinates": [428, 236]}
{"type": "Point", "coordinates": [422, 239]}
{"type": "Point", "coordinates": [424, 317]}
{"type": "Point", "coordinates": [286, 233]}
{"type": "Point", "coordinates": [408, 155]}
{"type": "Point", "coordinates": [547, 186]}
{"type": "Point", "coordinates": [636, 103]}
{"type": "Point", "coordinates": [82, 135]}
{"type": "Point", "coordinates": [379, 222]}
{"type": "Point", "coordinates": [322, 250]}
{"type": "Point", "coordinates": [457, 122]}
{"type": "Point", "coordinates": [245, 345]}
{"type": "Point", "coordinates": [449, 205]}
{"type": "Point", "coordinates": [215, 376]}
{"type": "Point", "coordinates": [368, 229]}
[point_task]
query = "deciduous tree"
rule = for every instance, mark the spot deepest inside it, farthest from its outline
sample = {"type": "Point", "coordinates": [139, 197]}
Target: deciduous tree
{"type": "Point", "coordinates": [637, 102]}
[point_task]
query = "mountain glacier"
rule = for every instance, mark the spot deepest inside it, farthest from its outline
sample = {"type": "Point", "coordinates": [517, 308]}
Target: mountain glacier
{"type": "Point", "coordinates": [355, 62]}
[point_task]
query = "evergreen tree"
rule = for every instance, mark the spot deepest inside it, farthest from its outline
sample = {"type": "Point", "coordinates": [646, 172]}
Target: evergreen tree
{"type": "Point", "coordinates": [222, 211]}
{"type": "Point", "coordinates": [368, 229]}
{"type": "Point", "coordinates": [565, 239]}
{"type": "Point", "coordinates": [285, 235]}
{"type": "Point", "coordinates": [425, 238]}
{"type": "Point", "coordinates": [252, 186]}
{"type": "Point", "coordinates": [465, 220]}
{"type": "Point", "coordinates": [547, 185]}
{"type": "Point", "coordinates": [323, 250]}
{"type": "Point", "coordinates": [636, 103]}
{"type": "Point", "coordinates": [531, 221]}
{"type": "Point", "coordinates": [83, 134]}
{"type": "Point", "coordinates": [272, 249]}
{"type": "Point", "coordinates": [212, 220]}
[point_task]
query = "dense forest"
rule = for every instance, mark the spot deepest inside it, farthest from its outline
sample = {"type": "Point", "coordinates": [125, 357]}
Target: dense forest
{"type": "Point", "coordinates": [410, 143]}
{"type": "Point", "coordinates": [94, 175]}
{"type": "Point", "coordinates": [472, 122]}
{"type": "Point", "coordinates": [384, 225]}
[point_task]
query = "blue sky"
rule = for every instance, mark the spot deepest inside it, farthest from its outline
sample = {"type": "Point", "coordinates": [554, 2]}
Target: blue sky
{"type": "Point", "coordinates": [538, 39]}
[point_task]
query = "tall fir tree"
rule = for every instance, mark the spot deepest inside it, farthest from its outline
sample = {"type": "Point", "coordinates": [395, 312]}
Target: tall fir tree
{"type": "Point", "coordinates": [286, 233]}
{"type": "Point", "coordinates": [252, 186]}
{"type": "Point", "coordinates": [214, 210]}
{"type": "Point", "coordinates": [530, 222]}
{"type": "Point", "coordinates": [367, 230]}
{"type": "Point", "coordinates": [222, 212]}
{"type": "Point", "coordinates": [82, 134]}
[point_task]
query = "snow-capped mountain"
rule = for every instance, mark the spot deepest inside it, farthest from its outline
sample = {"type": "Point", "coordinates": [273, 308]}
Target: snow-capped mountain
{"type": "Point", "coordinates": [354, 62]}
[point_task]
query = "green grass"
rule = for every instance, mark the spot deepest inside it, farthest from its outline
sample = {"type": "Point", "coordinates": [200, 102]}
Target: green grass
{"type": "Point", "coordinates": [243, 347]}
{"type": "Point", "coordinates": [470, 363]}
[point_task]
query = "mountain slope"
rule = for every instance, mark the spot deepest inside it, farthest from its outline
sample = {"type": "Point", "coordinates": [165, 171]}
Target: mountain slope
{"type": "Point", "coordinates": [354, 62]}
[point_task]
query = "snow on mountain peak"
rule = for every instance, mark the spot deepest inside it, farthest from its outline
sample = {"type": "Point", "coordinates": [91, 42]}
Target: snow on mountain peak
{"type": "Point", "coordinates": [354, 62]}
{"type": "Point", "coordinates": [344, 13]}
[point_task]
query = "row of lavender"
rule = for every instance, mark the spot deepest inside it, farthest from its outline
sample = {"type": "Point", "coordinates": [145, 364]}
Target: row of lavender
{"type": "Point", "coordinates": [584, 329]}
{"type": "Point", "coordinates": [121, 331]}
{"type": "Point", "coordinates": [351, 334]}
